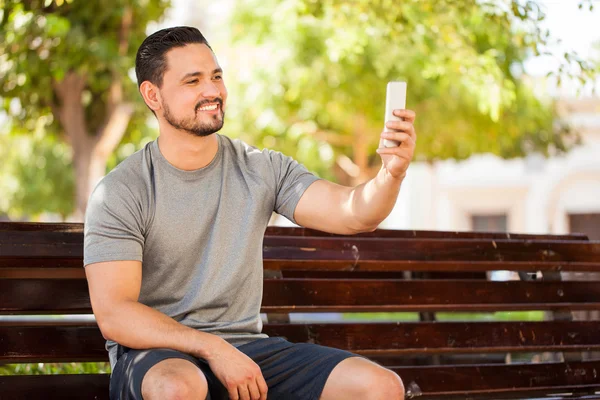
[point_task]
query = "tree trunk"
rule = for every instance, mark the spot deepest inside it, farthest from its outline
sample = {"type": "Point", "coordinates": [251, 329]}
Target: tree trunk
{"type": "Point", "coordinates": [90, 152]}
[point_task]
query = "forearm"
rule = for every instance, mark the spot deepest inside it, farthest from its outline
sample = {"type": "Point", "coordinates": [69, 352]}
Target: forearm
{"type": "Point", "coordinates": [372, 201]}
{"type": "Point", "coordinates": [138, 326]}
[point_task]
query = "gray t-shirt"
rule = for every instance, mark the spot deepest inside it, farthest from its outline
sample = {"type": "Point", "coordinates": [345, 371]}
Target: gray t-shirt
{"type": "Point", "coordinates": [198, 234]}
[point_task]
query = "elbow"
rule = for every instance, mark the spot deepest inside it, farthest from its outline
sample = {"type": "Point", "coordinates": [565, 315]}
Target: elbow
{"type": "Point", "coordinates": [357, 227]}
{"type": "Point", "coordinates": [106, 327]}
{"type": "Point", "coordinates": [109, 322]}
{"type": "Point", "coordinates": [370, 228]}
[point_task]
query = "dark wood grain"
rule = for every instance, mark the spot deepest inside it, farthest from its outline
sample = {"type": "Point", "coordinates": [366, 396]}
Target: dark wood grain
{"type": "Point", "coordinates": [60, 342]}
{"type": "Point", "coordinates": [338, 295]}
{"type": "Point", "coordinates": [67, 245]}
{"type": "Point", "coordinates": [41, 272]}
{"type": "Point", "coordinates": [426, 265]}
{"type": "Point", "coordinates": [316, 273]}
{"type": "Point", "coordinates": [498, 381]}
{"type": "Point", "coordinates": [295, 231]}
{"type": "Point", "coordinates": [54, 387]}
{"type": "Point", "coordinates": [299, 295]}
{"type": "Point", "coordinates": [293, 248]}
{"type": "Point", "coordinates": [445, 337]}
{"type": "Point", "coordinates": [29, 263]}
{"type": "Point", "coordinates": [447, 382]}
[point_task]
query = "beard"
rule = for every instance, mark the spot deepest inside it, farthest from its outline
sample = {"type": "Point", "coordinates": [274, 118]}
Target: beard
{"type": "Point", "coordinates": [193, 125]}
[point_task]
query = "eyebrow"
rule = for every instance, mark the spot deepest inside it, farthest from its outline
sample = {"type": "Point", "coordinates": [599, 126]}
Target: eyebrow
{"type": "Point", "coordinates": [198, 73]}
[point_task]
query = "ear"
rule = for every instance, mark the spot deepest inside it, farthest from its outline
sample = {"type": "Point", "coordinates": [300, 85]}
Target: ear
{"type": "Point", "coordinates": [151, 95]}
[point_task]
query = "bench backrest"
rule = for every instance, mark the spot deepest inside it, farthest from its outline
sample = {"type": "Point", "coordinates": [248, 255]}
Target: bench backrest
{"type": "Point", "coordinates": [380, 272]}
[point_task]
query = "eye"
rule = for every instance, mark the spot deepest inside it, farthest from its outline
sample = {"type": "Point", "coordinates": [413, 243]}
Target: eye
{"type": "Point", "coordinates": [192, 81]}
{"type": "Point", "coordinates": [218, 77]}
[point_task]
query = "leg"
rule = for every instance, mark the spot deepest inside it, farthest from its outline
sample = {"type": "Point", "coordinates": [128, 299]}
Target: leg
{"type": "Point", "coordinates": [175, 379]}
{"type": "Point", "coordinates": [360, 378]}
{"type": "Point", "coordinates": [305, 371]}
{"type": "Point", "coordinates": [162, 374]}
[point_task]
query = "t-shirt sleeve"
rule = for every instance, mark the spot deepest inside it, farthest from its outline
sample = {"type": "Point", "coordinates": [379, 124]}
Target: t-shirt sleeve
{"type": "Point", "coordinates": [113, 225]}
{"type": "Point", "coordinates": [291, 179]}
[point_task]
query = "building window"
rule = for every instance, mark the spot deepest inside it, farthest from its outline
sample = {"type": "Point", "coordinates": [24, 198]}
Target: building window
{"type": "Point", "coordinates": [585, 223]}
{"type": "Point", "coordinates": [489, 223]}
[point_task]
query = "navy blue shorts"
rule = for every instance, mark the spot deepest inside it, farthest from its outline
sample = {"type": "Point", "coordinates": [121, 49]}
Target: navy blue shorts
{"type": "Point", "coordinates": [293, 371]}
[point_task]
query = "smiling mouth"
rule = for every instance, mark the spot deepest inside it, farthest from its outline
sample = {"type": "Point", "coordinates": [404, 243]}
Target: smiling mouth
{"type": "Point", "coordinates": [209, 107]}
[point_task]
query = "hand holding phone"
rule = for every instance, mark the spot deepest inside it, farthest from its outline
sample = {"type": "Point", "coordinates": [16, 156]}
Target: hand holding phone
{"type": "Point", "coordinates": [395, 99]}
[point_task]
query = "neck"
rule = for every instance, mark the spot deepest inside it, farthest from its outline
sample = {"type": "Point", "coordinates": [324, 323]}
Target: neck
{"type": "Point", "coordinates": [185, 151]}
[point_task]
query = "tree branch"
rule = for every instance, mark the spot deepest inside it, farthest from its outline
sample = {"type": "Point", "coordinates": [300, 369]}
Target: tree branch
{"type": "Point", "coordinates": [71, 113]}
{"type": "Point", "coordinates": [124, 32]}
{"type": "Point", "coordinates": [111, 133]}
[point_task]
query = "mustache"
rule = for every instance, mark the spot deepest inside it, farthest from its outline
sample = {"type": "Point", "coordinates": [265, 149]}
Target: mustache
{"type": "Point", "coordinates": [204, 102]}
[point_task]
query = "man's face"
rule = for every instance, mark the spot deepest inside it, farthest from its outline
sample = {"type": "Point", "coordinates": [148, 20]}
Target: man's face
{"type": "Point", "coordinates": [193, 92]}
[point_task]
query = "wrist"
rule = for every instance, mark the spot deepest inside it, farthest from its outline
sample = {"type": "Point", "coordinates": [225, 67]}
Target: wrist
{"type": "Point", "coordinates": [208, 346]}
{"type": "Point", "coordinates": [389, 178]}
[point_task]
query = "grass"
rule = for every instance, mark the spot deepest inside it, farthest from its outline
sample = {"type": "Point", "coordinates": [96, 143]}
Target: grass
{"type": "Point", "coordinates": [55, 368]}
{"type": "Point", "coordinates": [444, 316]}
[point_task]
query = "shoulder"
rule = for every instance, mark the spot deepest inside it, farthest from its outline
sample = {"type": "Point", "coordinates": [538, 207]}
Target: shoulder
{"type": "Point", "coordinates": [128, 179]}
{"type": "Point", "coordinates": [246, 154]}
{"type": "Point", "coordinates": [238, 147]}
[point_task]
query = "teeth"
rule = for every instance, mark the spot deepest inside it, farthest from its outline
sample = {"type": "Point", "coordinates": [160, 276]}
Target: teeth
{"type": "Point", "coordinates": [209, 107]}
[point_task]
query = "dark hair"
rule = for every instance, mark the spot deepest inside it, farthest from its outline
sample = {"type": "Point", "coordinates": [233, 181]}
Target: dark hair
{"type": "Point", "coordinates": [150, 62]}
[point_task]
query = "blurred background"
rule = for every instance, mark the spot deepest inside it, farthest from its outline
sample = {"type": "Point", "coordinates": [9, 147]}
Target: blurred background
{"type": "Point", "coordinates": [506, 93]}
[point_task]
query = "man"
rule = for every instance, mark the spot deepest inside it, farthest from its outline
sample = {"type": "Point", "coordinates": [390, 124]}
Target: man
{"type": "Point", "coordinates": [173, 246]}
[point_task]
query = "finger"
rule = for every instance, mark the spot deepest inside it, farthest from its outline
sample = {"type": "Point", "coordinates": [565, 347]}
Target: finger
{"type": "Point", "coordinates": [243, 392]}
{"type": "Point", "coordinates": [405, 154]}
{"type": "Point", "coordinates": [262, 386]}
{"type": "Point", "coordinates": [253, 390]}
{"type": "Point", "coordinates": [397, 136]}
{"type": "Point", "coordinates": [401, 126]}
{"type": "Point", "coordinates": [407, 115]}
{"type": "Point", "coordinates": [233, 393]}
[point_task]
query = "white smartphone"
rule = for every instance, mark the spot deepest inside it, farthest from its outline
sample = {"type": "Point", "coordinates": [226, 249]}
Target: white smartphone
{"type": "Point", "coordinates": [395, 99]}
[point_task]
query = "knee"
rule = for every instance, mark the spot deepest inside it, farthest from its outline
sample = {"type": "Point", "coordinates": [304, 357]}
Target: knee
{"type": "Point", "coordinates": [176, 385]}
{"type": "Point", "coordinates": [384, 384]}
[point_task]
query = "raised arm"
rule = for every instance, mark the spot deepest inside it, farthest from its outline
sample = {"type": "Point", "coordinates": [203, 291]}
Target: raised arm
{"type": "Point", "coordinates": [333, 208]}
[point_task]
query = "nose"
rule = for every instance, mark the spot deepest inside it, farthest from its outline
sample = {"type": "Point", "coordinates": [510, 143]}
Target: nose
{"type": "Point", "coordinates": [210, 90]}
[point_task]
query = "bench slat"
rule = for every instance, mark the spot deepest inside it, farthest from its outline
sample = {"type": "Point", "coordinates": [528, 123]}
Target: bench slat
{"type": "Point", "coordinates": [29, 263]}
{"type": "Point", "coordinates": [508, 380]}
{"type": "Point", "coordinates": [16, 264]}
{"type": "Point", "coordinates": [425, 265]}
{"type": "Point", "coordinates": [79, 273]}
{"type": "Point", "coordinates": [299, 295]}
{"type": "Point", "coordinates": [65, 245]}
{"type": "Point", "coordinates": [422, 234]}
{"type": "Point", "coordinates": [296, 231]}
{"type": "Point", "coordinates": [477, 382]}
{"type": "Point", "coordinates": [339, 295]}
{"type": "Point", "coordinates": [54, 387]}
{"type": "Point", "coordinates": [294, 248]}
{"type": "Point", "coordinates": [30, 342]}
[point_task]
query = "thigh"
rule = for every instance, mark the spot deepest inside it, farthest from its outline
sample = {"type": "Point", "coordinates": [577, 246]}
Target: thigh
{"type": "Point", "coordinates": [294, 371]}
{"type": "Point", "coordinates": [128, 376]}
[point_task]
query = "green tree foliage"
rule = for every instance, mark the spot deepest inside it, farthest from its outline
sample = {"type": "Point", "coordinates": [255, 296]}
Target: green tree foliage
{"type": "Point", "coordinates": [65, 71]}
{"type": "Point", "coordinates": [321, 67]}
{"type": "Point", "coordinates": [312, 85]}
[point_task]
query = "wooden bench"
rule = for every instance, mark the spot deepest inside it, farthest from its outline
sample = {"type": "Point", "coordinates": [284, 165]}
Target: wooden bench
{"type": "Point", "coordinates": [420, 272]}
